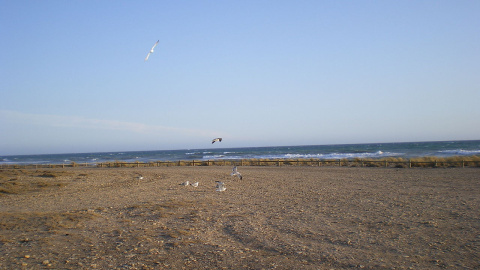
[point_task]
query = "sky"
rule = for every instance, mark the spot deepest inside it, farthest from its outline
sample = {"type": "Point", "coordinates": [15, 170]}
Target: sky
{"type": "Point", "coordinates": [257, 73]}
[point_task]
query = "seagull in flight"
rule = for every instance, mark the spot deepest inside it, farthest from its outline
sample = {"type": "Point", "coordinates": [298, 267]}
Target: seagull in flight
{"type": "Point", "coordinates": [216, 140]}
{"type": "Point", "coordinates": [220, 186]}
{"type": "Point", "coordinates": [151, 50]}
{"type": "Point", "coordinates": [235, 172]}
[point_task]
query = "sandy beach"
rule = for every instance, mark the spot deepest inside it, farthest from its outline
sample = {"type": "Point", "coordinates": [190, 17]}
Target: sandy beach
{"type": "Point", "coordinates": [274, 218]}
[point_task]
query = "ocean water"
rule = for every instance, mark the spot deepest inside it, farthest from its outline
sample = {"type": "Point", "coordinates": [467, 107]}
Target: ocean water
{"type": "Point", "coordinates": [339, 151]}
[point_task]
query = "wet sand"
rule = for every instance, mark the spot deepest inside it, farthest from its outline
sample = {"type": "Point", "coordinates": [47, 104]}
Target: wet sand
{"type": "Point", "coordinates": [275, 218]}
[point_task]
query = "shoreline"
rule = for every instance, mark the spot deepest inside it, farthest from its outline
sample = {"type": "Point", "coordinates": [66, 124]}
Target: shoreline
{"type": "Point", "coordinates": [368, 151]}
{"type": "Point", "coordinates": [396, 162]}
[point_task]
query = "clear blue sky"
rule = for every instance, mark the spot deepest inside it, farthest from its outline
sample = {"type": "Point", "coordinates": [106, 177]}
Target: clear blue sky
{"type": "Point", "coordinates": [257, 73]}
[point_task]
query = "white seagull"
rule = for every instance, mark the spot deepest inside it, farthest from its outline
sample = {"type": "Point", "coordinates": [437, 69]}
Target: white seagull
{"type": "Point", "coordinates": [186, 183]}
{"type": "Point", "coordinates": [139, 177]}
{"type": "Point", "coordinates": [194, 184]}
{"type": "Point", "coordinates": [151, 50]}
{"type": "Point", "coordinates": [235, 172]}
{"type": "Point", "coordinates": [216, 140]}
{"type": "Point", "coordinates": [220, 186]}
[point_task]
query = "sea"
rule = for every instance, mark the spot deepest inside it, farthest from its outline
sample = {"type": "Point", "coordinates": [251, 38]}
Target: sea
{"type": "Point", "coordinates": [215, 152]}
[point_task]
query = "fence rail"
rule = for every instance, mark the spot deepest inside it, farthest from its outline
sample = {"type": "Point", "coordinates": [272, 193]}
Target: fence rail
{"type": "Point", "coordinates": [258, 162]}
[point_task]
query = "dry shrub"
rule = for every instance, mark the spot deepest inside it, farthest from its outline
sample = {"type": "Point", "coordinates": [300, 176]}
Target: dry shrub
{"type": "Point", "coordinates": [19, 187]}
{"type": "Point", "coordinates": [343, 162]}
{"type": "Point", "coordinates": [248, 162]}
{"type": "Point", "coordinates": [438, 162]}
{"type": "Point", "coordinates": [48, 175]}
{"type": "Point", "coordinates": [11, 188]}
{"type": "Point", "coordinates": [263, 162]}
{"type": "Point", "coordinates": [372, 163]}
{"type": "Point", "coordinates": [19, 182]}
{"type": "Point", "coordinates": [44, 221]}
{"type": "Point", "coordinates": [400, 165]}
{"type": "Point", "coordinates": [397, 162]}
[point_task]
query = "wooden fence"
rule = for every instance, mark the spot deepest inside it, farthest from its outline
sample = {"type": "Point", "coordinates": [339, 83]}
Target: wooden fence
{"type": "Point", "coordinates": [260, 162]}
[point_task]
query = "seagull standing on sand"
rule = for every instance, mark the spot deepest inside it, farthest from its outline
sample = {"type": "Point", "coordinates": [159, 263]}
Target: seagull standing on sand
{"type": "Point", "coordinates": [220, 186]}
{"type": "Point", "coordinates": [194, 184]}
{"type": "Point", "coordinates": [151, 50]}
{"type": "Point", "coordinates": [186, 183]}
{"type": "Point", "coordinates": [235, 172]}
{"type": "Point", "coordinates": [216, 140]}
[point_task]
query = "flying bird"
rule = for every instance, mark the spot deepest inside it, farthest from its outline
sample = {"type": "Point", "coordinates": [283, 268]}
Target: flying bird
{"type": "Point", "coordinates": [194, 184]}
{"type": "Point", "coordinates": [151, 50]}
{"type": "Point", "coordinates": [235, 172]}
{"type": "Point", "coordinates": [216, 140]}
{"type": "Point", "coordinates": [220, 186]}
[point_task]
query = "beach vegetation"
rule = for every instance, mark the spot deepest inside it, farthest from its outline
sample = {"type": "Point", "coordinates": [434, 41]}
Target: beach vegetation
{"type": "Point", "coordinates": [20, 182]}
{"type": "Point", "coordinates": [44, 221]}
{"type": "Point", "coordinates": [19, 186]}
{"type": "Point", "coordinates": [455, 161]}
{"type": "Point", "coordinates": [389, 162]}
{"type": "Point", "coordinates": [10, 188]}
{"type": "Point", "coordinates": [48, 175]}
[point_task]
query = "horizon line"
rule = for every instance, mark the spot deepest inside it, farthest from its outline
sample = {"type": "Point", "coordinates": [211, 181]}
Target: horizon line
{"type": "Point", "coordinates": [180, 149]}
